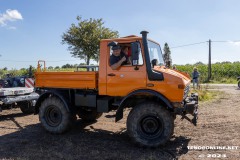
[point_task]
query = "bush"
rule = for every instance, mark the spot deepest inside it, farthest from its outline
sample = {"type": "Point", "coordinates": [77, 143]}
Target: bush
{"type": "Point", "coordinates": [225, 72]}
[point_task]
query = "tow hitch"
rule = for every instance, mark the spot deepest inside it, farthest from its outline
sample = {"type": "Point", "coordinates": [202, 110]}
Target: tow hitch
{"type": "Point", "coordinates": [191, 107]}
{"type": "Point", "coordinates": [193, 121]}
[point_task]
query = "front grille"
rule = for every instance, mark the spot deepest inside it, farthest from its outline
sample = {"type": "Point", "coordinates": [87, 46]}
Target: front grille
{"type": "Point", "coordinates": [186, 91]}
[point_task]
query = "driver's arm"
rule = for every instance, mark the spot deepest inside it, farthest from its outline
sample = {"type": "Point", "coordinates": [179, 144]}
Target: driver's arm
{"type": "Point", "coordinates": [118, 64]}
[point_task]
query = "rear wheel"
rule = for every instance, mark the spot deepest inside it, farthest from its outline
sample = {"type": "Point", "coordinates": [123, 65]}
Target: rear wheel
{"type": "Point", "coordinates": [239, 84]}
{"type": "Point", "coordinates": [26, 107]}
{"type": "Point", "coordinates": [89, 115]}
{"type": "Point", "coordinates": [54, 116]}
{"type": "Point", "coordinates": [150, 125]}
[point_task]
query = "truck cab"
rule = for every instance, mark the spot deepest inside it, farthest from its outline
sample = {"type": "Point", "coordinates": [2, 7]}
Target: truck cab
{"type": "Point", "coordinates": [155, 93]}
{"type": "Point", "coordinates": [142, 73]}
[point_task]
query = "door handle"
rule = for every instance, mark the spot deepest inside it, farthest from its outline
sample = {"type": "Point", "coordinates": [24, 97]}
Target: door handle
{"type": "Point", "coordinates": [150, 85]}
{"type": "Point", "coordinates": [111, 74]}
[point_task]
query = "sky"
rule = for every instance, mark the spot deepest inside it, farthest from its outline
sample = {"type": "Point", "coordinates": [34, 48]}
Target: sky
{"type": "Point", "coordinates": [31, 30]}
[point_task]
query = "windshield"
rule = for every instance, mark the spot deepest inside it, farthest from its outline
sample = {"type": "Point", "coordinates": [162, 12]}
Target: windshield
{"type": "Point", "coordinates": [155, 53]}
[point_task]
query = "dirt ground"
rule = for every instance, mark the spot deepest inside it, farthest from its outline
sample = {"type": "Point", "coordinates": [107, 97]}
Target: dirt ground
{"type": "Point", "coordinates": [22, 137]}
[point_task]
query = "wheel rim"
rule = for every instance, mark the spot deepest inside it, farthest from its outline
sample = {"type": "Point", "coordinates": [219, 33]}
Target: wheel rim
{"type": "Point", "coordinates": [53, 116]}
{"type": "Point", "coordinates": [151, 127]}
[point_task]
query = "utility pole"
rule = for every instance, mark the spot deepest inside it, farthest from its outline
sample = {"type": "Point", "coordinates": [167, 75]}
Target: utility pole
{"type": "Point", "coordinates": [209, 62]}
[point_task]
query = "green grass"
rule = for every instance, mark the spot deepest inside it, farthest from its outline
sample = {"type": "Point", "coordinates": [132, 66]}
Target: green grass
{"type": "Point", "coordinates": [206, 95]}
{"type": "Point", "coordinates": [225, 81]}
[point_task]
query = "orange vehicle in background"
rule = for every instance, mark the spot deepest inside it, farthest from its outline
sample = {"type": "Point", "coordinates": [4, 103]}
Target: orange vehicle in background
{"type": "Point", "coordinates": [155, 93]}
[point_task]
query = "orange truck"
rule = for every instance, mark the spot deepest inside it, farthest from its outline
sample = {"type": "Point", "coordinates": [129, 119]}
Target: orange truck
{"type": "Point", "coordinates": [154, 93]}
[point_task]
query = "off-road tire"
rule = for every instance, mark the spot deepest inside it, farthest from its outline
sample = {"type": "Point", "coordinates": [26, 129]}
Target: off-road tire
{"type": "Point", "coordinates": [89, 116]}
{"type": "Point", "coordinates": [239, 84]}
{"type": "Point", "coordinates": [54, 116]}
{"type": "Point", "coordinates": [150, 125]}
{"type": "Point", "coordinates": [26, 107]}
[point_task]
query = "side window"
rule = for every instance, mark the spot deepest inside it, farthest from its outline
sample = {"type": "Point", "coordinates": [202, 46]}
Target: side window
{"type": "Point", "coordinates": [126, 51]}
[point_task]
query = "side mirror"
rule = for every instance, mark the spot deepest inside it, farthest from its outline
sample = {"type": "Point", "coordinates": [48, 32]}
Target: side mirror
{"type": "Point", "coordinates": [135, 51]}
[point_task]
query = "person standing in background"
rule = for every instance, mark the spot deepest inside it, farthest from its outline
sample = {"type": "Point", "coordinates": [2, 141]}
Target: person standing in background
{"type": "Point", "coordinates": [195, 77]}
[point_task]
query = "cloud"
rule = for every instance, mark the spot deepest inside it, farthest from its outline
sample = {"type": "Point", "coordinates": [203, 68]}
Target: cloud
{"type": "Point", "coordinates": [235, 43]}
{"type": "Point", "coordinates": [10, 15]}
{"type": "Point", "coordinates": [11, 28]}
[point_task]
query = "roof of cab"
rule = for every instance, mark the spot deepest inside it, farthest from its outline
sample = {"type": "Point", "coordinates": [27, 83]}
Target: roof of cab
{"type": "Point", "coordinates": [127, 39]}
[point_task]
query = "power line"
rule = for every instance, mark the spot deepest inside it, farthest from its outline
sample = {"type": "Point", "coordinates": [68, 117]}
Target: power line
{"type": "Point", "coordinates": [37, 61]}
{"type": "Point", "coordinates": [204, 42]}
{"type": "Point", "coordinates": [188, 45]}
{"type": "Point", "coordinates": [15, 61]}
{"type": "Point", "coordinates": [222, 41]}
{"type": "Point", "coordinates": [227, 41]}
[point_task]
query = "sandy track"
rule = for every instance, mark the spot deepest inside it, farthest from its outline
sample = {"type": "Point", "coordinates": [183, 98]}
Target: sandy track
{"type": "Point", "coordinates": [22, 137]}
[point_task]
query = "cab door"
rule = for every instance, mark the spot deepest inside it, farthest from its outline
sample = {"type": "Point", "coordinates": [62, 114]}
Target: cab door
{"type": "Point", "coordinates": [125, 80]}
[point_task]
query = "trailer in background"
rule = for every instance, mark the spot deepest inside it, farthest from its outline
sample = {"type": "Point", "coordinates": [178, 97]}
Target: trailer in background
{"type": "Point", "coordinates": [22, 97]}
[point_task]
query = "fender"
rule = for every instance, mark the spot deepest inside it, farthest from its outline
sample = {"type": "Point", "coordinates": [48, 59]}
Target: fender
{"type": "Point", "coordinates": [47, 94]}
{"type": "Point", "coordinates": [119, 113]}
{"type": "Point", "coordinates": [238, 78]}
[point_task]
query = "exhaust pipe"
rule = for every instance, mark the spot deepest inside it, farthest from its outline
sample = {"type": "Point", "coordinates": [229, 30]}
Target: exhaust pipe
{"type": "Point", "coordinates": [152, 75]}
{"type": "Point", "coordinates": [144, 34]}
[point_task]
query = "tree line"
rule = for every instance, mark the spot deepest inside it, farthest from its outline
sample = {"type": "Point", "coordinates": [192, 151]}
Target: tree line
{"type": "Point", "coordinates": [222, 72]}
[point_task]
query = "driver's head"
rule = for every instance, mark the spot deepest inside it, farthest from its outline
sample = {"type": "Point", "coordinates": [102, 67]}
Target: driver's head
{"type": "Point", "coordinates": [116, 50]}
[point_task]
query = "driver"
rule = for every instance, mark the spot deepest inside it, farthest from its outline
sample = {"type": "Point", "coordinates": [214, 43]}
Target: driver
{"type": "Point", "coordinates": [116, 59]}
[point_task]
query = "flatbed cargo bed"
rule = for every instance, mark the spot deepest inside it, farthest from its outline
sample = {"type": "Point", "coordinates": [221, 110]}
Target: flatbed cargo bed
{"type": "Point", "coordinates": [76, 80]}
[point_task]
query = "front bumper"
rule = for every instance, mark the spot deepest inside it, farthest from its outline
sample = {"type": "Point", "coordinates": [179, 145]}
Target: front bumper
{"type": "Point", "coordinates": [190, 106]}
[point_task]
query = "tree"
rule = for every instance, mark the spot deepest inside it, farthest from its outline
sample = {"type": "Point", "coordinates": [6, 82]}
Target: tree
{"type": "Point", "coordinates": [75, 65]}
{"type": "Point", "coordinates": [167, 55]}
{"type": "Point", "coordinates": [50, 67]}
{"type": "Point", "coordinates": [84, 38]}
{"type": "Point", "coordinates": [198, 63]}
{"type": "Point", "coordinates": [1, 73]}
{"type": "Point", "coordinates": [31, 71]}
{"type": "Point", "coordinates": [67, 66]}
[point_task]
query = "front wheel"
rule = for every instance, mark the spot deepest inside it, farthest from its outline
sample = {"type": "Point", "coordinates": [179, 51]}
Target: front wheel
{"type": "Point", "coordinates": [239, 84]}
{"type": "Point", "coordinates": [149, 124]}
{"type": "Point", "coordinates": [54, 116]}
